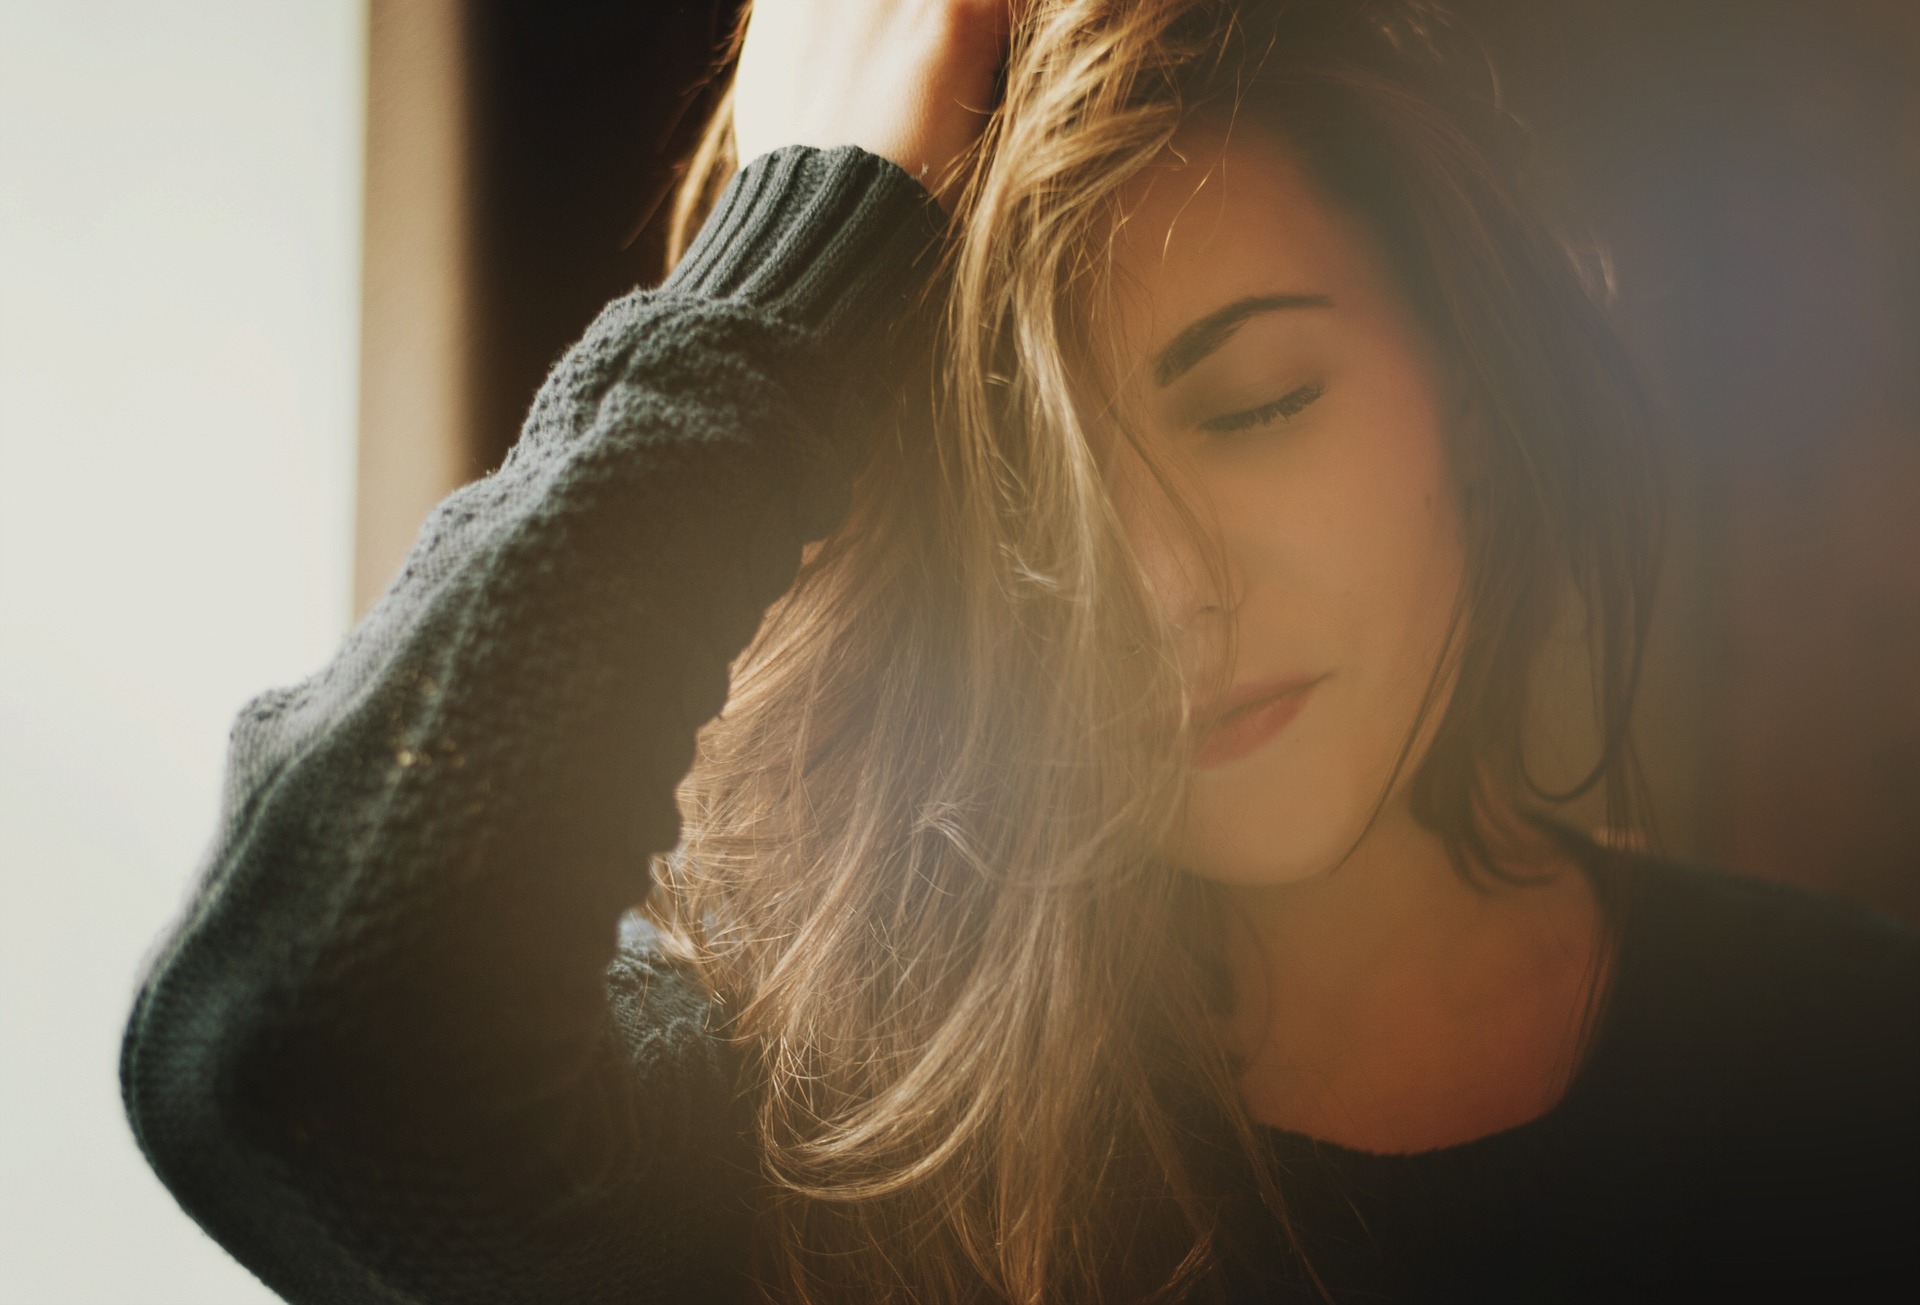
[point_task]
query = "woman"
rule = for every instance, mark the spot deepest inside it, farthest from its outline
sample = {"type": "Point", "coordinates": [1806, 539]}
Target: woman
{"type": "Point", "coordinates": [1132, 519]}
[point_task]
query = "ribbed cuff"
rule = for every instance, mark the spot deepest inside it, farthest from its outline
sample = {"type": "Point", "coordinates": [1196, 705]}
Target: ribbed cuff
{"type": "Point", "coordinates": [836, 241]}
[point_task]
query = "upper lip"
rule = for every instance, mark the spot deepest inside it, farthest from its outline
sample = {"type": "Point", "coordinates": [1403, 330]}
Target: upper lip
{"type": "Point", "coordinates": [1240, 697]}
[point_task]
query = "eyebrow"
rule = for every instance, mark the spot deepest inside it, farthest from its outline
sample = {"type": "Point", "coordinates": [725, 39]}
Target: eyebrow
{"type": "Point", "coordinates": [1216, 328]}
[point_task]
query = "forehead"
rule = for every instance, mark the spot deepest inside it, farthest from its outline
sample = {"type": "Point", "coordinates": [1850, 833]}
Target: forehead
{"type": "Point", "coordinates": [1220, 216]}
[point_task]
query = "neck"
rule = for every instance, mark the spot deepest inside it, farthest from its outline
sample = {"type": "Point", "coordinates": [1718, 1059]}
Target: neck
{"type": "Point", "coordinates": [1397, 895]}
{"type": "Point", "coordinates": [1390, 1003]}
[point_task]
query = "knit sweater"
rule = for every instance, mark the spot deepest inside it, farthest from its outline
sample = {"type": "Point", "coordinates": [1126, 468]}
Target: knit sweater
{"type": "Point", "coordinates": [408, 1043]}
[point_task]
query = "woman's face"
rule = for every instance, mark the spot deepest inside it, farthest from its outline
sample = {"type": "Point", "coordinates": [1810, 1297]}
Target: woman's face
{"type": "Point", "coordinates": [1278, 378]}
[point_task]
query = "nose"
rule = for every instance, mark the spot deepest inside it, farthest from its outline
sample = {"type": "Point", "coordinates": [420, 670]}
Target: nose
{"type": "Point", "coordinates": [1192, 575]}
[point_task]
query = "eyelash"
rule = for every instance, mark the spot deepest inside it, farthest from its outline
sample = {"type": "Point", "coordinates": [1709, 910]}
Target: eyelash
{"type": "Point", "coordinates": [1284, 408]}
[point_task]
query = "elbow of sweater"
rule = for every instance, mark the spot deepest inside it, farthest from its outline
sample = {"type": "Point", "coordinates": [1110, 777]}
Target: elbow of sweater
{"type": "Point", "coordinates": [198, 1130]}
{"type": "Point", "coordinates": [225, 1139]}
{"type": "Point", "coordinates": [215, 1064]}
{"type": "Point", "coordinates": [214, 1090]}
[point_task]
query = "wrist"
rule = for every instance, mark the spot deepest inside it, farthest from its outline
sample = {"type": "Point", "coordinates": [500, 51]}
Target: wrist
{"type": "Point", "coordinates": [839, 242]}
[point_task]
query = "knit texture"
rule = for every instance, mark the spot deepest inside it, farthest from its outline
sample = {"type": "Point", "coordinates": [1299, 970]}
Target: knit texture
{"type": "Point", "coordinates": [388, 1053]}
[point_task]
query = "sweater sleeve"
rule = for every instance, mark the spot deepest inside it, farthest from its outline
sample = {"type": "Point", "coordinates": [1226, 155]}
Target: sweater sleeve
{"type": "Point", "coordinates": [387, 1053]}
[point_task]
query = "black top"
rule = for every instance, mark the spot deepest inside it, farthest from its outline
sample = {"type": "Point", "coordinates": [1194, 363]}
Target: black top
{"type": "Point", "coordinates": [407, 1044]}
{"type": "Point", "coordinates": [1748, 1114]}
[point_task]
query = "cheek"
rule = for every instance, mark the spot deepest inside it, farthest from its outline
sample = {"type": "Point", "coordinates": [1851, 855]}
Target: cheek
{"type": "Point", "coordinates": [1395, 552]}
{"type": "Point", "coordinates": [1352, 534]}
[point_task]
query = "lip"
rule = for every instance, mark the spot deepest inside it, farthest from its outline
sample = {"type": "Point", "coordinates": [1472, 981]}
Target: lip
{"type": "Point", "coordinates": [1244, 719]}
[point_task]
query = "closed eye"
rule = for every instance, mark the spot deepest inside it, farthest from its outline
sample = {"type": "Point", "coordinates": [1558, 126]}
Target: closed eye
{"type": "Point", "coordinates": [1284, 408]}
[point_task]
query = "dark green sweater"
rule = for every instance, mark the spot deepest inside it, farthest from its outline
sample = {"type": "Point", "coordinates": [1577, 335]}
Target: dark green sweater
{"type": "Point", "coordinates": [406, 1045]}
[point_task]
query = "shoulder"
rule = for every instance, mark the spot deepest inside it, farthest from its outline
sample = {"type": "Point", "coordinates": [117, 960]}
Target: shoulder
{"type": "Point", "coordinates": [1781, 998]}
{"type": "Point", "coordinates": [1736, 934]}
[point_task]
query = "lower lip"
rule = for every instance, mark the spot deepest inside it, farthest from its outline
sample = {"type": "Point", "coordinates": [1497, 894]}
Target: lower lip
{"type": "Point", "coordinates": [1249, 732]}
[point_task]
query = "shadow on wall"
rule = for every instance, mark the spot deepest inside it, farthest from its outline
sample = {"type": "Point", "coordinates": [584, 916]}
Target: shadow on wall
{"type": "Point", "coordinates": [1753, 165]}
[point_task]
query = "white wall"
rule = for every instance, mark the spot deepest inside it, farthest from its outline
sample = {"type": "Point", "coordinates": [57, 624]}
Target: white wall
{"type": "Point", "coordinates": [179, 214]}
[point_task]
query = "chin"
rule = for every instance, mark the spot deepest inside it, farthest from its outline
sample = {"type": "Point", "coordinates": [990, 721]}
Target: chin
{"type": "Point", "coordinates": [1262, 866]}
{"type": "Point", "coordinates": [1245, 832]}
{"type": "Point", "coordinates": [1286, 813]}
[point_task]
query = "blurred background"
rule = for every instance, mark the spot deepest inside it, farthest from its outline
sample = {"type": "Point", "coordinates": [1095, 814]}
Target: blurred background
{"type": "Point", "coordinates": [275, 277]}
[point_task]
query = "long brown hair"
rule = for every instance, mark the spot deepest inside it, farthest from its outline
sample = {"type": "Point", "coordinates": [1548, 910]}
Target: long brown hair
{"type": "Point", "coordinates": [919, 870]}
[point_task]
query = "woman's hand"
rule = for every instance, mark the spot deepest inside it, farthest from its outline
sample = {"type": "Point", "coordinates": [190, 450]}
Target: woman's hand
{"type": "Point", "coordinates": [909, 80]}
